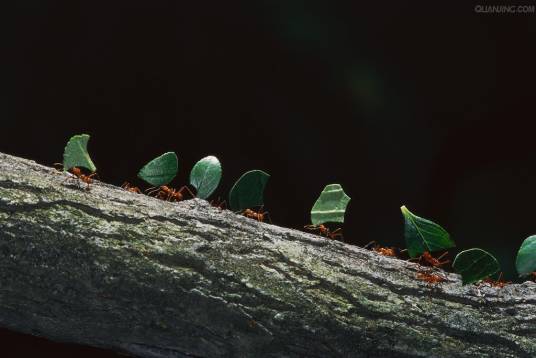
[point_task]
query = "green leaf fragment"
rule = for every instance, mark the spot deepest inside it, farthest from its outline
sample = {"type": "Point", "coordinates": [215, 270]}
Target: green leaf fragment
{"type": "Point", "coordinates": [424, 235]}
{"type": "Point", "coordinates": [205, 176]}
{"type": "Point", "coordinates": [526, 256]}
{"type": "Point", "coordinates": [475, 265]}
{"type": "Point", "coordinates": [161, 170]}
{"type": "Point", "coordinates": [248, 191]}
{"type": "Point", "coordinates": [76, 155]}
{"type": "Point", "coordinates": [330, 205]}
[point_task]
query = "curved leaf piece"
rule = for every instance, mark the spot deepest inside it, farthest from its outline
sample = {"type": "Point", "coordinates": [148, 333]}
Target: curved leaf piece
{"type": "Point", "coordinates": [248, 191]}
{"type": "Point", "coordinates": [423, 235]}
{"type": "Point", "coordinates": [205, 176]}
{"type": "Point", "coordinates": [475, 265]}
{"type": "Point", "coordinates": [526, 256]}
{"type": "Point", "coordinates": [330, 205]}
{"type": "Point", "coordinates": [161, 170]}
{"type": "Point", "coordinates": [76, 155]}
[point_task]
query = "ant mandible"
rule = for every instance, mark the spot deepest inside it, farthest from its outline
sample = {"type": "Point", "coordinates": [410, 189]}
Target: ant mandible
{"type": "Point", "coordinates": [325, 231]}
{"type": "Point", "coordinates": [257, 215]}
{"type": "Point", "coordinates": [166, 193]}
{"type": "Point", "coordinates": [128, 187]}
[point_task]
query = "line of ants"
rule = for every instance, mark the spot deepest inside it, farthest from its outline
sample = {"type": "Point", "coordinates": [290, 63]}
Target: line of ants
{"type": "Point", "coordinates": [430, 266]}
{"type": "Point", "coordinates": [167, 193]}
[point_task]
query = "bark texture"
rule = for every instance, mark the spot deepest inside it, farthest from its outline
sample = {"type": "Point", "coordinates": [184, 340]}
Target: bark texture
{"type": "Point", "coordinates": [124, 271]}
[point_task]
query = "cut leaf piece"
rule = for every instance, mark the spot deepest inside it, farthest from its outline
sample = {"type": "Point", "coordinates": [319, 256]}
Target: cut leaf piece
{"type": "Point", "coordinates": [330, 205]}
{"type": "Point", "coordinates": [248, 191]}
{"type": "Point", "coordinates": [526, 256]}
{"type": "Point", "coordinates": [161, 170]}
{"type": "Point", "coordinates": [423, 235]}
{"type": "Point", "coordinates": [205, 176]}
{"type": "Point", "coordinates": [76, 155]}
{"type": "Point", "coordinates": [475, 265]}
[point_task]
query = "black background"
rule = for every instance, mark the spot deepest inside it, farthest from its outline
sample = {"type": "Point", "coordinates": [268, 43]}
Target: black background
{"type": "Point", "coordinates": [427, 106]}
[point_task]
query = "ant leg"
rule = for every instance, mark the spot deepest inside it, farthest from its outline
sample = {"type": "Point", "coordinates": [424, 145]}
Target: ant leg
{"type": "Point", "coordinates": [418, 259]}
{"type": "Point", "coordinates": [336, 231]}
{"type": "Point", "coordinates": [184, 187]}
{"type": "Point", "coordinates": [152, 190]}
{"type": "Point", "coordinates": [443, 255]}
{"type": "Point", "coordinates": [268, 216]}
{"type": "Point", "coordinates": [369, 244]}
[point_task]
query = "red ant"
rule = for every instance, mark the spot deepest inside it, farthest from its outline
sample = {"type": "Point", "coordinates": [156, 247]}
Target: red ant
{"type": "Point", "coordinates": [499, 283]}
{"type": "Point", "coordinates": [128, 187]}
{"type": "Point", "coordinates": [166, 193]}
{"type": "Point", "coordinates": [430, 260]}
{"type": "Point", "coordinates": [325, 231]}
{"type": "Point", "coordinates": [385, 251]}
{"type": "Point", "coordinates": [81, 177]}
{"type": "Point", "coordinates": [257, 215]}
{"type": "Point", "coordinates": [430, 278]}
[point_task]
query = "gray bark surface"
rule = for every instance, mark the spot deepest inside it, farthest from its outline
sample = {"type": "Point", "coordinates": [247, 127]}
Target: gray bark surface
{"type": "Point", "coordinates": [128, 272]}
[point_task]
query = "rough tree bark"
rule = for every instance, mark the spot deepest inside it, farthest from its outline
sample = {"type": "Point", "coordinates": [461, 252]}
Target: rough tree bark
{"type": "Point", "coordinates": [118, 270]}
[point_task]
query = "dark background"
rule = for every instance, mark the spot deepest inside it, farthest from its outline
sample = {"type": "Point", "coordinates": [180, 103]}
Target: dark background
{"type": "Point", "coordinates": [427, 106]}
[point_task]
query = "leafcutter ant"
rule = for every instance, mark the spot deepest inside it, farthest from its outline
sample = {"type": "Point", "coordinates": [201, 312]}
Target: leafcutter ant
{"type": "Point", "coordinates": [128, 187]}
{"type": "Point", "coordinates": [430, 277]}
{"type": "Point", "coordinates": [166, 193]}
{"type": "Point", "coordinates": [325, 231]}
{"type": "Point", "coordinates": [428, 259]}
{"type": "Point", "coordinates": [80, 176]}
{"type": "Point", "coordinates": [257, 215]}
{"type": "Point", "coordinates": [499, 283]}
{"type": "Point", "coordinates": [385, 251]}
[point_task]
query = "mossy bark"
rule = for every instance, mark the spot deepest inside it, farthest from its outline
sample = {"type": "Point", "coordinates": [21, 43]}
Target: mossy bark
{"type": "Point", "coordinates": [124, 271]}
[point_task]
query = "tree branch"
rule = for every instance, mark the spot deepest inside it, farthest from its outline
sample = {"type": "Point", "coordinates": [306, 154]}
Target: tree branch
{"type": "Point", "coordinates": [124, 271]}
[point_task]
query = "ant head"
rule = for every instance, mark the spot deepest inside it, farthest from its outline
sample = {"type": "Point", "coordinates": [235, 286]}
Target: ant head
{"type": "Point", "coordinates": [76, 171]}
